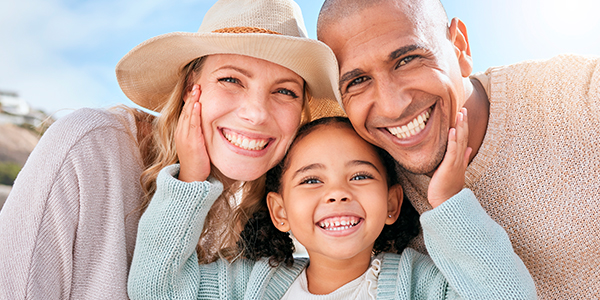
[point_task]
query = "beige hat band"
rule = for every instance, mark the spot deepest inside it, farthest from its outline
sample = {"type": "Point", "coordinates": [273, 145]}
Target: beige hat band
{"type": "Point", "coordinates": [244, 30]}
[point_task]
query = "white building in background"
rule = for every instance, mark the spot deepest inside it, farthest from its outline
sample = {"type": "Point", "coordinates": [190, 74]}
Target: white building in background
{"type": "Point", "coordinates": [14, 109]}
{"type": "Point", "coordinates": [11, 103]}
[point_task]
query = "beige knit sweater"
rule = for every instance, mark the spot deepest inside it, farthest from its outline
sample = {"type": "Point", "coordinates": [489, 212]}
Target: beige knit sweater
{"type": "Point", "coordinates": [65, 232]}
{"type": "Point", "coordinates": [537, 172]}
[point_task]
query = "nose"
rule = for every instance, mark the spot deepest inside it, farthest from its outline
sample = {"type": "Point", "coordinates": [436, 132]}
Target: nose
{"type": "Point", "coordinates": [391, 98]}
{"type": "Point", "coordinates": [338, 193]}
{"type": "Point", "coordinates": [253, 107]}
{"type": "Point", "coordinates": [343, 199]}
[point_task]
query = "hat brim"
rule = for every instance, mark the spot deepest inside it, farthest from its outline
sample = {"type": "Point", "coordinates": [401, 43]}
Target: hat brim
{"type": "Point", "coordinates": [149, 72]}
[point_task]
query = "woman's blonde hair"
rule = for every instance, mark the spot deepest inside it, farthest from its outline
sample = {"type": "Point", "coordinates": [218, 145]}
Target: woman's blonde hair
{"type": "Point", "coordinates": [226, 218]}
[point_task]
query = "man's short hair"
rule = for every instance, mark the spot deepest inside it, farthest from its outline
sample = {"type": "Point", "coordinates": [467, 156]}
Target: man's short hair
{"type": "Point", "coordinates": [431, 12]}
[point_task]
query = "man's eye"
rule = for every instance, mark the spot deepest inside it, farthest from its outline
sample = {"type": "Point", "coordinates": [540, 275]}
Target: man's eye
{"type": "Point", "coordinates": [406, 60]}
{"type": "Point", "coordinates": [357, 81]}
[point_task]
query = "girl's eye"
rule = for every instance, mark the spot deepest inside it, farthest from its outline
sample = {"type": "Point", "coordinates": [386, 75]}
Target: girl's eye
{"type": "Point", "coordinates": [229, 79]}
{"type": "Point", "coordinates": [361, 177]}
{"type": "Point", "coordinates": [310, 181]}
{"type": "Point", "coordinates": [406, 60]}
{"type": "Point", "coordinates": [287, 93]}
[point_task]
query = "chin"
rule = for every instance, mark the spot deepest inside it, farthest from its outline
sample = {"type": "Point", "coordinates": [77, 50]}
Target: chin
{"type": "Point", "coordinates": [245, 174]}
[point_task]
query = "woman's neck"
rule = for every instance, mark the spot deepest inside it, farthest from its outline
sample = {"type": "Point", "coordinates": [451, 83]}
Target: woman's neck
{"type": "Point", "coordinates": [325, 275]}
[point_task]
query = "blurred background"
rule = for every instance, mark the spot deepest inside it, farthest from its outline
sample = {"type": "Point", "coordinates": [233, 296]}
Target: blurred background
{"type": "Point", "coordinates": [59, 55]}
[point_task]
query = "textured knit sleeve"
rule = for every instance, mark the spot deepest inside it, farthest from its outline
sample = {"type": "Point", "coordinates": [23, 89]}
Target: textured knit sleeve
{"type": "Point", "coordinates": [165, 265]}
{"type": "Point", "coordinates": [473, 252]}
{"type": "Point", "coordinates": [67, 229]}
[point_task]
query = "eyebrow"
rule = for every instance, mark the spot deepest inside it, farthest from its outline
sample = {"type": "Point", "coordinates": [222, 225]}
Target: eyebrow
{"type": "Point", "coordinates": [403, 50]}
{"type": "Point", "coordinates": [308, 168]}
{"type": "Point", "coordinates": [356, 162]}
{"type": "Point", "coordinates": [362, 163]}
{"type": "Point", "coordinates": [284, 80]}
{"type": "Point", "coordinates": [243, 71]}
{"type": "Point", "coordinates": [349, 75]}
{"type": "Point", "coordinates": [392, 56]}
{"type": "Point", "coordinates": [249, 75]}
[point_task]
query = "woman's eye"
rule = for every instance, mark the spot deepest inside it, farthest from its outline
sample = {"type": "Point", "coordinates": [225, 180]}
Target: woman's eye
{"type": "Point", "coordinates": [287, 93]}
{"type": "Point", "coordinates": [229, 79]}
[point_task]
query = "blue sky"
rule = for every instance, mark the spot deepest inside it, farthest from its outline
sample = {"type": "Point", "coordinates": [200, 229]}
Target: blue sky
{"type": "Point", "coordinates": [60, 55]}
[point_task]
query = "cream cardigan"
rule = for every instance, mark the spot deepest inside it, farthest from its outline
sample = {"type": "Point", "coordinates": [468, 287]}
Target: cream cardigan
{"type": "Point", "coordinates": [66, 230]}
{"type": "Point", "coordinates": [537, 172]}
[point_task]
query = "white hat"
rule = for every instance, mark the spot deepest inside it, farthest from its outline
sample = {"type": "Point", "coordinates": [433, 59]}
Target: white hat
{"type": "Point", "coordinates": [272, 30]}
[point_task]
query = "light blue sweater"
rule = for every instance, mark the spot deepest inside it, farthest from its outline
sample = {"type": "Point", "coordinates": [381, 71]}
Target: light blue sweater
{"type": "Point", "coordinates": [471, 255]}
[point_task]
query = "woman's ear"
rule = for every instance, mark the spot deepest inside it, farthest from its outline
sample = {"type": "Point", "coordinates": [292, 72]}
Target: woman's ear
{"type": "Point", "coordinates": [395, 198]}
{"type": "Point", "coordinates": [277, 211]}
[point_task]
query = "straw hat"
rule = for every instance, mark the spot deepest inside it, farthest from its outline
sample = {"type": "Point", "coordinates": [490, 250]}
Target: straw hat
{"type": "Point", "coordinates": [272, 30]}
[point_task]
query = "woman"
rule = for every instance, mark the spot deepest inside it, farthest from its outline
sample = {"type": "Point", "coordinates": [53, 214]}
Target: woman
{"type": "Point", "coordinates": [68, 228]}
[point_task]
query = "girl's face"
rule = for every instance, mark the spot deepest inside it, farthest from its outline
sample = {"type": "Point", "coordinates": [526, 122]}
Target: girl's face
{"type": "Point", "coordinates": [251, 109]}
{"type": "Point", "coordinates": [334, 195]}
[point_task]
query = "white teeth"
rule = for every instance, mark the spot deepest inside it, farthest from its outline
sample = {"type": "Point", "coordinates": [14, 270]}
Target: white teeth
{"type": "Point", "coordinates": [341, 224]}
{"type": "Point", "coordinates": [412, 128]}
{"type": "Point", "coordinates": [244, 142]}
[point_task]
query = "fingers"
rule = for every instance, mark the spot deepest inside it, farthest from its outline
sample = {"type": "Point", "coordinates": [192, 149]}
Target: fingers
{"type": "Point", "coordinates": [189, 140]}
{"type": "Point", "coordinates": [462, 130]}
{"type": "Point", "coordinates": [458, 139]}
{"type": "Point", "coordinates": [449, 177]}
{"type": "Point", "coordinates": [188, 111]}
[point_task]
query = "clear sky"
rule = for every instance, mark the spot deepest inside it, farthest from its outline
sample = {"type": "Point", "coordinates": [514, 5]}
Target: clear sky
{"type": "Point", "coordinates": [61, 54]}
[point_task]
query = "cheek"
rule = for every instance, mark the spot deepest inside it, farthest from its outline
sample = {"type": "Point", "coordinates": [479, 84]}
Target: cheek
{"type": "Point", "coordinates": [377, 205]}
{"type": "Point", "coordinates": [287, 119]}
{"type": "Point", "coordinates": [214, 107]}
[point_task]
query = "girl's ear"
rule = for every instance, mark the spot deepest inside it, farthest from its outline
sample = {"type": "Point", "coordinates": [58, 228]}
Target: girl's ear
{"type": "Point", "coordinates": [277, 211]}
{"type": "Point", "coordinates": [395, 198]}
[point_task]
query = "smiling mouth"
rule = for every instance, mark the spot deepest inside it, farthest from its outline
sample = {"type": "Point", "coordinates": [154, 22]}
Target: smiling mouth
{"type": "Point", "coordinates": [245, 142]}
{"type": "Point", "coordinates": [339, 223]}
{"type": "Point", "coordinates": [413, 127]}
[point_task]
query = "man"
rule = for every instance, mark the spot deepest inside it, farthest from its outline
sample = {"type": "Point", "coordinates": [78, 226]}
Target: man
{"type": "Point", "coordinates": [405, 72]}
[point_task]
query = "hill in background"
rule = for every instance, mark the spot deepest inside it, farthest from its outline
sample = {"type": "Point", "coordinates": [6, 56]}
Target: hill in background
{"type": "Point", "coordinates": [20, 130]}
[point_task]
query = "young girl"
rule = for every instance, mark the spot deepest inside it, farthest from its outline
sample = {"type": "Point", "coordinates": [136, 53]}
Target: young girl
{"type": "Point", "coordinates": [336, 194]}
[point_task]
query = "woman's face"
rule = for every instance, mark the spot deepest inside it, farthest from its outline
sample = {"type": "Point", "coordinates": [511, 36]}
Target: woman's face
{"type": "Point", "coordinates": [251, 109]}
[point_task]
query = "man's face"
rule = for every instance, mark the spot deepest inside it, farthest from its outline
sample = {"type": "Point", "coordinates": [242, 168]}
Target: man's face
{"type": "Point", "coordinates": [401, 83]}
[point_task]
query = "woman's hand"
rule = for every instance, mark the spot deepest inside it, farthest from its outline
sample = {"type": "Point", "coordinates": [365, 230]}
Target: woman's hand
{"type": "Point", "coordinates": [449, 178]}
{"type": "Point", "coordinates": [189, 140]}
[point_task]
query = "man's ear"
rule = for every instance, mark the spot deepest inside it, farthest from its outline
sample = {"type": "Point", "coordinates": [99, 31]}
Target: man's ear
{"type": "Point", "coordinates": [460, 40]}
{"type": "Point", "coordinates": [277, 211]}
{"type": "Point", "coordinates": [395, 198]}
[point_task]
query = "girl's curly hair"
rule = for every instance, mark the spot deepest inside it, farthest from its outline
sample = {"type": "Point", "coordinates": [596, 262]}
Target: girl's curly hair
{"type": "Point", "coordinates": [260, 238]}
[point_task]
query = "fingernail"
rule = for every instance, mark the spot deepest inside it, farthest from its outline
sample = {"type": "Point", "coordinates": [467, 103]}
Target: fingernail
{"type": "Point", "coordinates": [196, 105]}
{"type": "Point", "coordinates": [460, 116]}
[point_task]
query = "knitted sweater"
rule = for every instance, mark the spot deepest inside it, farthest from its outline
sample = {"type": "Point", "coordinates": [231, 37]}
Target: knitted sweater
{"type": "Point", "coordinates": [66, 231]}
{"type": "Point", "coordinates": [537, 172]}
{"type": "Point", "coordinates": [473, 256]}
